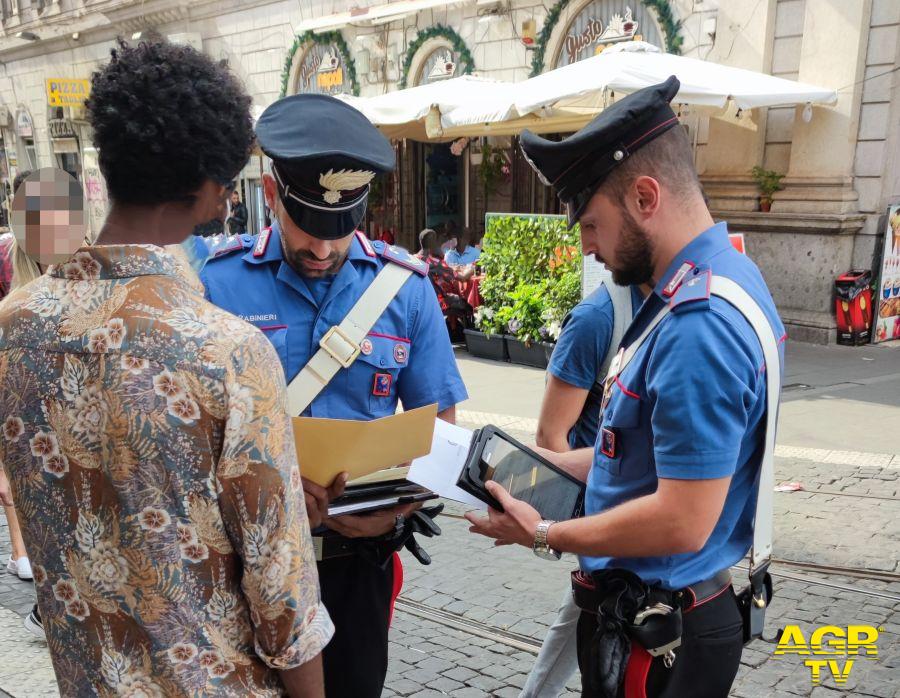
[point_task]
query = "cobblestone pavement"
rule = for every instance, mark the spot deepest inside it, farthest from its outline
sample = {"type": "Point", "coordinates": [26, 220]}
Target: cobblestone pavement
{"type": "Point", "coordinates": [847, 515]}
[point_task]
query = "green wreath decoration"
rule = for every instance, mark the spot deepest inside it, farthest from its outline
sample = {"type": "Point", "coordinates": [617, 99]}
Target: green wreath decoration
{"type": "Point", "coordinates": [332, 37]}
{"type": "Point", "coordinates": [664, 16]}
{"type": "Point", "coordinates": [438, 30]}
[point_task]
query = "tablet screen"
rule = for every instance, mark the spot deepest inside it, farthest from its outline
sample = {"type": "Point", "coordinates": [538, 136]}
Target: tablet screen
{"type": "Point", "coordinates": [527, 478]}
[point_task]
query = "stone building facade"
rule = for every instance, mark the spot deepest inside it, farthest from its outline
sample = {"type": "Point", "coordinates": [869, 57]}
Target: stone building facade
{"type": "Point", "coordinates": [842, 163]}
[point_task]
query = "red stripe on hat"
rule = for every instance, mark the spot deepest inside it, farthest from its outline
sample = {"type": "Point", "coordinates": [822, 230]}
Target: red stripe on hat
{"type": "Point", "coordinates": [651, 132]}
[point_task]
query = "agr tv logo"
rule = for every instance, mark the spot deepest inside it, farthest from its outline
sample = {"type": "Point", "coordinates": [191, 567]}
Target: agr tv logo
{"type": "Point", "coordinates": [834, 644]}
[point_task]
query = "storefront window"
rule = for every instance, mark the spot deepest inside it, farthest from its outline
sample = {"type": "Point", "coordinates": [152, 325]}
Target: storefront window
{"type": "Point", "coordinates": [443, 186]}
{"type": "Point", "coordinates": [443, 171]}
{"type": "Point", "coordinates": [70, 163]}
{"type": "Point", "coordinates": [602, 23]}
{"type": "Point", "coordinates": [30, 154]}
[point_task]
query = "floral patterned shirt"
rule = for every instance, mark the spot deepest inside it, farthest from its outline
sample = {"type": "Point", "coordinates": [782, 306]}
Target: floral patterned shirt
{"type": "Point", "coordinates": [153, 467]}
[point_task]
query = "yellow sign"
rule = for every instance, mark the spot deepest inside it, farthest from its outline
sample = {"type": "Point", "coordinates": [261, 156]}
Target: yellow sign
{"type": "Point", "coordinates": [67, 92]}
{"type": "Point", "coordinates": [334, 78]}
{"type": "Point", "coordinates": [832, 643]}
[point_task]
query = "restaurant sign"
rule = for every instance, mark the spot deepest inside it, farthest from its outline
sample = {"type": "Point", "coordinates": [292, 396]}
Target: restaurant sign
{"type": "Point", "coordinates": [61, 128]}
{"type": "Point", "coordinates": [322, 70]}
{"type": "Point", "coordinates": [605, 22]}
{"type": "Point", "coordinates": [443, 63]}
{"type": "Point", "coordinates": [24, 124]}
{"type": "Point", "coordinates": [67, 92]}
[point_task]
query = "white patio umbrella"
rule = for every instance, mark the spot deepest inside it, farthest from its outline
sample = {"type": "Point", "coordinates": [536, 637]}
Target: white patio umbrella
{"type": "Point", "coordinates": [417, 112]}
{"type": "Point", "coordinates": [567, 98]}
{"type": "Point", "coordinates": [574, 94]}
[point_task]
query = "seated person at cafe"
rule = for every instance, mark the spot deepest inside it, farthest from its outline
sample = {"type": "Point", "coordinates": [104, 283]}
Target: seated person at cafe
{"type": "Point", "coordinates": [463, 254]}
{"type": "Point", "coordinates": [446, 233]}
{"type": "Point", "coordinates": [446, 282]}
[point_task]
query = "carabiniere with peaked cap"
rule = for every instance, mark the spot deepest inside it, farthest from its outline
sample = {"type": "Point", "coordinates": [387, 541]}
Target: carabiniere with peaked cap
{"type": "Point", "coordinates": [578, 165]}
{"type": "Point", "coordinates": [323, 174]}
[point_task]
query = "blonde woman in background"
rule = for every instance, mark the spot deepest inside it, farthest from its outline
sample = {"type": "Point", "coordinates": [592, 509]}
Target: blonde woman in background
{"type": "Point", "coordinates": [23, 269]}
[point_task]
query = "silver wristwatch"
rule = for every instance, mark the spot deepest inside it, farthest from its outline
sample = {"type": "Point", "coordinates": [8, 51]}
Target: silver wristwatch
{"type": "Point", "coordinates": [540, 546]}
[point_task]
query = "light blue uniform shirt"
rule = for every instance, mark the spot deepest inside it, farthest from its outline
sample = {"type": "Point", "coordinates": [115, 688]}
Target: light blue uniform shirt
{"type": "Point", "coordinates": [579, 354]}
{"type": "Point", "coordinates": [407, 356]}
{"type": "Point", "coordinates": [691, 405]}
{"type": "Point", "coordinates": [470, 256]}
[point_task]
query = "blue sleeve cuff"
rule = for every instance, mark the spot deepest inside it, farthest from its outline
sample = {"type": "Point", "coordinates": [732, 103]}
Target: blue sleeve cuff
{"type": "Point", "coordinates": [579, 381]}
{"type": "Point", "coordinates": [710, 465]}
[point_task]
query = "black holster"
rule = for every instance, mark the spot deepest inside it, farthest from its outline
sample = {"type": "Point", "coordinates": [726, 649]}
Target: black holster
{"type": "Point", "coordinates": [753, 600]}
{"type": "Point", "coordinates": [615, 596]}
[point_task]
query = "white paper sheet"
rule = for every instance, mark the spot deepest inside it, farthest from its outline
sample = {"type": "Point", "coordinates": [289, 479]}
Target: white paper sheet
{"type": "Point", "coordinates": [439, 470]}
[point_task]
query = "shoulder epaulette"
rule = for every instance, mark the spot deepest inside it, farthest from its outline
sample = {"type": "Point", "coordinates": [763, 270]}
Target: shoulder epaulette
{"type": "Point", "coordinates": [693, 292]}
{"type": "Point", "coordinates": [398, 255]}
{"type": "Point", "coordinates": [232, 244]}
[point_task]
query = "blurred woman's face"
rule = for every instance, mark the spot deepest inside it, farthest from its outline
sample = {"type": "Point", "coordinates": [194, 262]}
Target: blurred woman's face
{"type": "Point", "coordinates": [48, 216]}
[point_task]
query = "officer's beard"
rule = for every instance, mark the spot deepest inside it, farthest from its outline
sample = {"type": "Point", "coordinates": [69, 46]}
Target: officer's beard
{"type": "Point", "coordinates": [299, 261]}
{"type": "Point", "coordinates": [634, 254]}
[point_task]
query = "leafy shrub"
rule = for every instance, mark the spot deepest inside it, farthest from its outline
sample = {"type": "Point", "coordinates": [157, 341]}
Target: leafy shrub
{"type": "Point", "coordinates": [532, 268]}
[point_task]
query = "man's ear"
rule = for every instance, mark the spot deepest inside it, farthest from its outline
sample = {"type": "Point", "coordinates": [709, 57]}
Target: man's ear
{"type": "Point", "coordinates": [270, 190]}
{"type": "Point", "coordinates": [646, 196]}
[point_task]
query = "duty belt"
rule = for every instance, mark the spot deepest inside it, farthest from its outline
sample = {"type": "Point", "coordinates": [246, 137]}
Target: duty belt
{"type": "Point", "coordinates": [587, 596]}
{"type": "Point", "coordinates": [630, 611]}
{"type": "Point", "coordinates": [328, 547]}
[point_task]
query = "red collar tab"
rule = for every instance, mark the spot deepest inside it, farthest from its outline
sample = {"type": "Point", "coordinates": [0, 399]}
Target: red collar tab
{"type": "Point", "coordinates": [676, 280]}
{"type": "Point", "coordinates": [365, 243]}
{"type": "Point", "coordinates": [262, 242]}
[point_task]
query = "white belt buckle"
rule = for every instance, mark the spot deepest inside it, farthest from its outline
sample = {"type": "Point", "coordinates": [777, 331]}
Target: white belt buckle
{"type": "Point", "coordinates": [346, 351]}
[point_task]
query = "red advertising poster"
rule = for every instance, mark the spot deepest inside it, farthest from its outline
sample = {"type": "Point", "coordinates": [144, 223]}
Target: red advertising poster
{"type": "Point", "coordinates": [887, 321]}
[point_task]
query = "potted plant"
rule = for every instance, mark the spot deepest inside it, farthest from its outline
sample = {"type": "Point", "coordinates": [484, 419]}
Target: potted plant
{"type": "Point", "coordinates": [768, 182]}
{"type": "Point", "coordinates": [527, 327]}
{"type": "Point", "coordinates": [532, 278]}
{"type": "Point", "coordinates": [488, 342]}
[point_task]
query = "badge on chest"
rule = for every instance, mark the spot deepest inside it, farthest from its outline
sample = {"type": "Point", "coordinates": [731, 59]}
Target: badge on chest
{"type": "Point", "coordinates": [381, 386]}
{"type": "Point", "coordinates": [608, 442]}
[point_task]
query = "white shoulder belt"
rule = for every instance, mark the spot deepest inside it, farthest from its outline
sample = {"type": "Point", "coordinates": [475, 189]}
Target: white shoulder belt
{"type": "Point", "coordinates": [339, 347]}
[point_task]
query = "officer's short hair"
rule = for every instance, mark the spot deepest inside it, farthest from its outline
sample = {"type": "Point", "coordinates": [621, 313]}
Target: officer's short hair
{"type": "Point", "coordinates": [166, 119]}
{"type": "Point", "coordinates": [668, 159]}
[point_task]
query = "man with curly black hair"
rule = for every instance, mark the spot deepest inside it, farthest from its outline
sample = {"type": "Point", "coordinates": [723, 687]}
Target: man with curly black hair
{"type": "Point", "coordinates": [147, 443]}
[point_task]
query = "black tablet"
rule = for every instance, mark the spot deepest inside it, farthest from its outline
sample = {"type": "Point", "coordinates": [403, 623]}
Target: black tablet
{"type": "Point", "coordinates": [497, 456]}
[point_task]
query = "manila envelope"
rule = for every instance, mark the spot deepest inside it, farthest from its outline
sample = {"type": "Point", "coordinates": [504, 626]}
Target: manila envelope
{"type": "Point", "coordinates": [328, 447]}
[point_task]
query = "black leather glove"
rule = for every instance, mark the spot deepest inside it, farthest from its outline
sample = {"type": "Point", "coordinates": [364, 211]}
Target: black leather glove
{"type": "Point", "coordinates": [422, 522]}
{"type": "Point", "coordinates": [623, 595]}
{"type": "Point", "coordinates": [379, 550]}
